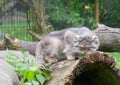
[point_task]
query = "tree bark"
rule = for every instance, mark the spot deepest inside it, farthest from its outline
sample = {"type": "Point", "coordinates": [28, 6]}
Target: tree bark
{"type": "Point", "coordinates": [96, 12]}
{"type": "Point", "coordinates": [38, 11]}
{"type": "Point", "coordinates": [109, 41]}
{"type": "Point", "coordinates": [2, 45]}
{"type": "Point", "coordinates": [109, 38]}
{"type": "Point", "coordinates": [12, 43]}
{"type": "Point", "coordinates": [92, 69]}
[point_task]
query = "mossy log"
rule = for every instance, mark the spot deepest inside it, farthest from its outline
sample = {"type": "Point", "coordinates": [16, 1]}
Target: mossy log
{"type": "Point", "coordinates": [12, 43]}
{"type": "Point", "coordinates": [2, 45]}
{"type": "Point", "coordinates": [96, 68]}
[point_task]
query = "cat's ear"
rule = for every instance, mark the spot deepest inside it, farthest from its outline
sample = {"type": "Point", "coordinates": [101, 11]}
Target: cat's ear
{"type": "Point", "coordinates": [77, 37]}
{"type": "Point", "coordinates": [93, 38]}
{"type": "Point", "coordinates": [68, 37]}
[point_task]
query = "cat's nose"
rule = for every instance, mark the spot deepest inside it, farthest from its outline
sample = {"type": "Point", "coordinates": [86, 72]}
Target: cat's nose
{"type": "Point", "coordinates": [84, 46]}
{"type": "Point", "coordinates": [81, 46]}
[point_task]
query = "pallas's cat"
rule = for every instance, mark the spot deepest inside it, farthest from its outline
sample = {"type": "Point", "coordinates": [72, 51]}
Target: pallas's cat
{"type": "Point", "coordinates": [68, 42]}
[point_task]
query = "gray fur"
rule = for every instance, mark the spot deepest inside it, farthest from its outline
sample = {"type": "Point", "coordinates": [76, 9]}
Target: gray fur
{"type": "Point", "coordinates": [79, 41]}
{"type": "Point", "coordinates": [58, 43]}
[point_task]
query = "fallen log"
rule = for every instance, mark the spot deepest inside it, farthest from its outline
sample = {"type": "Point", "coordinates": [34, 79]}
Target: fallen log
{"type": "Point", "coordinates": [109, 38]}
{"type": "Point", "coordinates": [96, 68]}
{"type": "Point", "coordinates": [109, 41]}
{"type": "Point", "coordinates": [2, 45]}
{"type": "Point", "coordinates": [16, 44]}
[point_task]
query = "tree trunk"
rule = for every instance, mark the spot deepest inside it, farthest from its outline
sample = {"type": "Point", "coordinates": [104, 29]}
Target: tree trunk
{"type": "Point", "coordinates": [96, 13]}
{"type": "Point", "coordinates": [40, 18]}
{"type": "Point", "coordinates": [96, 68]}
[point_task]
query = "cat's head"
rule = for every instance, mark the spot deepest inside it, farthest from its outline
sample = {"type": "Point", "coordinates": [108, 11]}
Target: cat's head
{"type": "Point", "coordinates": [86, 43]}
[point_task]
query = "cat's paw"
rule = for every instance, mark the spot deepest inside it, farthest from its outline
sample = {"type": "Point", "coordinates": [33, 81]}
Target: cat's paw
{"type": "Point", "coordinates": [40, 65]}
{"type": "Point", "coordinates": [70, 58]}
{"type": "Point", "coordinates": [51, 60]}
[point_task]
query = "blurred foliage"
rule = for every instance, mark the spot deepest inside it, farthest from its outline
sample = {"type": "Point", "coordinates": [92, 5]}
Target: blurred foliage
{"type": "Point", "coordinates": [27, 70]}
{"type": "Point", "coordinates": [1, 2]}
{"type": "Point", "coordinates": [17, 29]}
{"type": "Point", "coordinates": [72, 13]}
{"type": "Point", "coordinates": [110, 13]}
{"type": "Point", "coordinates": [116, 55]}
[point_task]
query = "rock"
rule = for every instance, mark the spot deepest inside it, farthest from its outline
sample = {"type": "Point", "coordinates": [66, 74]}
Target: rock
{"type": "Point", "coordinates": [3, 54]}
{"type": "Point", "coordinates": [8, 75]}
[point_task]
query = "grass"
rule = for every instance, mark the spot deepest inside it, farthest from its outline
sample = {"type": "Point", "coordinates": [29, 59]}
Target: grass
{"type": "Point", "coordinates": [116, 55]}
{"type": "Point", "coordinates": [16, 29]}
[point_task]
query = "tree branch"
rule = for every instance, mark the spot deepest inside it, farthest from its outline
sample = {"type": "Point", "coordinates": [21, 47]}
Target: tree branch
{"type": "Point", "coordinates": [35, 34]}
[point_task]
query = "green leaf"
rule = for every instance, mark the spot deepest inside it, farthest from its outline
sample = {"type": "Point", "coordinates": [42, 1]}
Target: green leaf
{"type": "Point", "coordinates": [30, 75]}
{"type": "Point", "coordinates": [48, 76]}
{"type": "Point", "coordinates": [22, 81]}
{"type": "Point", "coordinates": [41, 78]}
{"type": "Point", "coordinates": [33, 68]}
{"type": "Point", "coordinates": [35, 82]}
{"type": "Point", "coordinates": [25, 53]}
{"type": "Point", "coordinates": [28, 83]}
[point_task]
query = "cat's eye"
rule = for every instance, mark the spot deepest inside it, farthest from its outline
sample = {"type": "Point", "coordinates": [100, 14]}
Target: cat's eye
{"type": "Point", "coordinates": [76, 43]}
{"type": "Point", "coordinates": [77, 37]}
{"type": "Point", "coordinates": [75, 40]}
{"type": "Point", "coordinates": [96, 42]}
{"type": "Point", "coordinates": [93, 38]}
{"type": "Point", "coordinates": [76, 46]}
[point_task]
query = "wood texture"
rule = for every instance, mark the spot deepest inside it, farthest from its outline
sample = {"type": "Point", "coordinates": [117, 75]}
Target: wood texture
{"type": "Point", "coordinates": [89, 70]}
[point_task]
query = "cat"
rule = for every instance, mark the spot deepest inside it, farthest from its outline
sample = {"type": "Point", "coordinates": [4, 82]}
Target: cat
{"type": "Point", "coordinates": [79, 42]}
{"type": "Point", "coordinates": [49, 49]}
{"type": "Point", "coordinates": [68, 42]}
